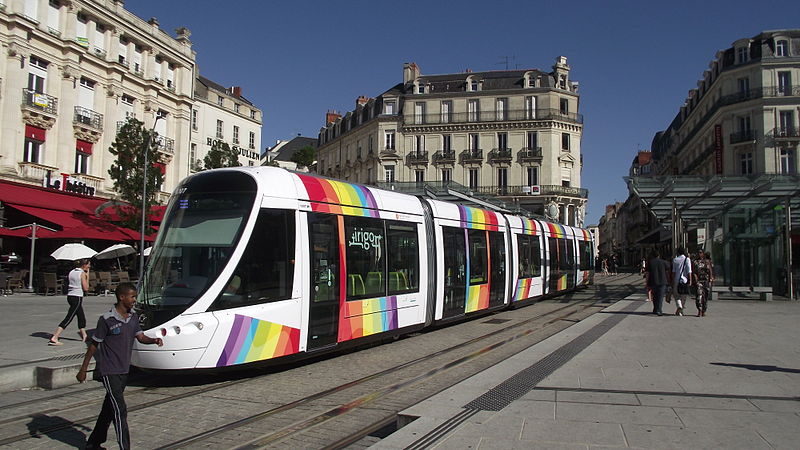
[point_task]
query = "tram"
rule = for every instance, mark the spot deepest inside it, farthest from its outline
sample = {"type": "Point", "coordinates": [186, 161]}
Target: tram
{"type": "Point", "coordinates": [263, 265]}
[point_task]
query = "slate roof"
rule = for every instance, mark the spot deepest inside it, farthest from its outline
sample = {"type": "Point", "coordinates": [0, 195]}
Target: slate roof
{"type": "Point", "coordinates": [286, 152]}
{"type": "Point", "coordinates": [203, 85]}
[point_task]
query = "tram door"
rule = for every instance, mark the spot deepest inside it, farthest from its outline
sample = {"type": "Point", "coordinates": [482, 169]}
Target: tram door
{"type": "Point", "coordinates": [455, 274]}
{"type": "Point", "coordinates": [323, 317]}
{"type": "Point", "coordinates": [497, 263]}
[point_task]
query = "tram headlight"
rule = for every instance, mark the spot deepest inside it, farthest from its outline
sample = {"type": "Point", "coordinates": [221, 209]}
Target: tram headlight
{"type": "Point", "coordinates": [163, 332]}
{"type": "Point", "coordinates": [177, 330]}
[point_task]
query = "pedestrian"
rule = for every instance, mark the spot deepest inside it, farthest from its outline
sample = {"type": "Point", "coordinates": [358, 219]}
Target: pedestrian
{"type": "Point", "coordinates": [657, 279]}
{"type": "Point", "coordinates": [681, 279]}
{"type": "Point", "coordinates": [612, 265]}
{"type": "Point", "coordinates": [113, 342]}
{"type": "Point", "coordinates": [78, 282]}
{"type": "Point", "coordinates": [703, 272]}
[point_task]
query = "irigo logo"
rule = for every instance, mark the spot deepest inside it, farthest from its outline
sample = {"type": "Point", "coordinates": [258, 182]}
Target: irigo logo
{"type": "Point", "coordinates": [365, 239]}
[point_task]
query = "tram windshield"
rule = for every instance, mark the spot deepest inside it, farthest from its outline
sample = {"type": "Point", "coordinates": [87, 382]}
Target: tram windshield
{"type": "Point", "coordinates": [203, 224]}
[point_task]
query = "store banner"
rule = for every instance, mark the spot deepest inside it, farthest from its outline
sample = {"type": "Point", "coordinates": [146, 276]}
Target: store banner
{"type": "Point", "coordinates": [718, 148]}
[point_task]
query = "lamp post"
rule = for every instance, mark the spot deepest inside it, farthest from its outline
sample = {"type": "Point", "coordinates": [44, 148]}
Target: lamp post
{"type": "Point", "coordinates": [148, 141]}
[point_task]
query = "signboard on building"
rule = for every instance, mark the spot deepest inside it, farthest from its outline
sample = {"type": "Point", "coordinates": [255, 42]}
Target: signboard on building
{"type": "Point", "coordinates": [718, 148]}
{"type": "Point", "coordinates": [241, 151]}
{"type": "Point", "coordinates": [67, 183]}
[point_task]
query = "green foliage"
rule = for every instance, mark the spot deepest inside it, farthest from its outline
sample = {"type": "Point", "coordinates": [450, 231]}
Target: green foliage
{"type": "Point", "coordinates": [221, 155]}
{"type": "Point", "coordinates": [132, 143]}
{"type": "Point", "coordinates": [305, 156]}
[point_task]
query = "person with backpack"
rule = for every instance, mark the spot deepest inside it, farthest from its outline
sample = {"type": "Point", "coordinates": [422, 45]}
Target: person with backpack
{"type": "Point", "coordinates": [681, 279]}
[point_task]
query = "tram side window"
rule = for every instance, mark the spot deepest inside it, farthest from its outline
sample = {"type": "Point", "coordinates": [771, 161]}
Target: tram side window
{"type": "Point", "coordinates": [365, 244]}
{"type": "Point", "coordinates": [530, 262]}
{"type": "Point", "coordinates": [554, 253]}
{"type": "Point", "coordinates": [266, 270]}
{"type": "Point", "coordinates": [568, 262]}
{"type": "Point", "coordinates": [477, 257]}
{"type": "Point", "coordinates": [402, 246]}
{"type": "Point", "coordinates": [585, 250]}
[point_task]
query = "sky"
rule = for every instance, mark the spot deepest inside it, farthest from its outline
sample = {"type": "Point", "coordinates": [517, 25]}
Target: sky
{"type": "Point", "coordinates": [635, 60]}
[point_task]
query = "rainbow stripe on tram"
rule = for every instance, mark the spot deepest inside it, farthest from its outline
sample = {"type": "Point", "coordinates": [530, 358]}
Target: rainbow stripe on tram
{"type": "Point", "coordinates": [477, 219]}
{"type": "Point", "coordinates": [255, 340]}
{"type": "Point", "coordinates": [528, 226]}
{"type": "Point", "coordinates": [367, 317]}
{"type": "Point", "coordinates": [586, 235]}
{"type": "Point", "coordinates": [556, 230]}
{"type": "Point", "coordinates": [477, 298]}
{"type": "Point", "coordinates": [524, 288]}
{"type": "Point", "coordinates": [337, 197]}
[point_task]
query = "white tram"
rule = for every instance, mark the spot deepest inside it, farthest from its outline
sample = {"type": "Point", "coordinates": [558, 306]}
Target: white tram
{"type": "Point", "coordinates": [259, 265]}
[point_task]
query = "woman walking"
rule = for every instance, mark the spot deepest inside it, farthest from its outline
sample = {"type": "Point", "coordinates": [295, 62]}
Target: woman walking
{"type": "Point", "coordinates": [704, 277]}
{"type": "Point", "coordinates": [78, 286]}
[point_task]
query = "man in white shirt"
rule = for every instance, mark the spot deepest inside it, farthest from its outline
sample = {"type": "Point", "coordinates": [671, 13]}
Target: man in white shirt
{"type": "Point", "coordinates": [681, 278]}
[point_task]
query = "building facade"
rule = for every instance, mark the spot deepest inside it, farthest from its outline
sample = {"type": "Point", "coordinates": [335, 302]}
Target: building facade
{"type": "Point", "coordinates": [514, 135]}
{"type": "Point", "coordinates": [742, 118]}
{"type": "Point", "coordinates": [223, 114]}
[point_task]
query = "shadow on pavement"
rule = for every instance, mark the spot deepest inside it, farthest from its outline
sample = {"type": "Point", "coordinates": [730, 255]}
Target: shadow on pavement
{"type": "Point", "coordinates": [68, 432]}
{"type": "Point", "coordinates": [759, 367]}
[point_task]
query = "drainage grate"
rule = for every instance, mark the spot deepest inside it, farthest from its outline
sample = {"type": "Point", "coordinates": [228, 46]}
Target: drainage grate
{"type": "Point", "coordinates": [67, 357]}
{"type": "Point", "coordinates": [520, 384]}
{"type": "Point", "coordinates": [496, 321]}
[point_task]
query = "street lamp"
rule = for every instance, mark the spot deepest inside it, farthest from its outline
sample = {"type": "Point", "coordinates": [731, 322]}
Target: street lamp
{"type": "Point", "coordinates": [146, 148]}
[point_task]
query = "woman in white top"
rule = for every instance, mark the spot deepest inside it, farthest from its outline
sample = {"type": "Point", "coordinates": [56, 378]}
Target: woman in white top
{"type": "Point", "coordinates": [78, 286]}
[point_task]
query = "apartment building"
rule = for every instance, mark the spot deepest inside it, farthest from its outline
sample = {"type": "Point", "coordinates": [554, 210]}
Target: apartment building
{"type": "Point", "coordinates": [512, 134]}
{"type": "Point", "coordinates": [742, 118]}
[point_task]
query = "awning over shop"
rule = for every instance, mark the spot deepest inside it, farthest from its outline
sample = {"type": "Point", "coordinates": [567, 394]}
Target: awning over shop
{"type": "Point", "coordinates": [83, 147]}
{"type": "Point", "coordinates": [48, 198]}
{"type": "Point", "coordinates": [34, 133]}
{"type": "Point", "coordinates": [703, 198]}
{"type": "Point", "coordinates": [77, 225]}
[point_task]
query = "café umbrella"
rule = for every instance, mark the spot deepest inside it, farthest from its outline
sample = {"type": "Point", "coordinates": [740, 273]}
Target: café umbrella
{"type": "Point", "coordinates": [73, 252]}
{"type": "Point", "coordinates": [115, 251]}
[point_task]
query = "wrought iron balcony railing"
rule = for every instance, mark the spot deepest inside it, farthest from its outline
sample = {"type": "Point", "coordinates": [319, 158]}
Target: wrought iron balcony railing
{"type": "Point", "coordinates": [545, 189]}
{"type": "Point", "coordinates": [500, 155]}
{"type": "Point", "coordinates": [743, 136]}
{"type": "Point", "coordinates": [444, 157]}
{"type": "Point", "coordinates": [88, 117]}
{"type": "Point", "coordinates": [418, 157]}
{"type": "Point", "coordinates": [101, 53]}
{"type": "Point", "coordinates": [165, 144]}
{"type": "Point", "coordinates": [528, 154]}
{"type": "Point", "coordinates": [786, 133]}
{"type": "Point", "coordinates": [491, 116]}
{"type": "Point", "coordinates": [473, 155]}
{"type": "Point", "coordinates": [40, 101]}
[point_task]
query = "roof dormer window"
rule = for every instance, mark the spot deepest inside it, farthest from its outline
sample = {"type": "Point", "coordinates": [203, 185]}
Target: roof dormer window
{"type": "Point", "coordinates": [473, 85]}
{"type": "Point", "coordinates": [741, 55]}
{"type": "Point", "coordinates": [419, 88]}
{"type": "Point", "coordinates": [530, 80]}
{"type": "Point", "coordinates": [782, 47]}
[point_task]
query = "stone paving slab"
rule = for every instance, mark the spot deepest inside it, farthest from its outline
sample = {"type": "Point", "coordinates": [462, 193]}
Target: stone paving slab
{"type": "Point", "coordinates": [728, 380]}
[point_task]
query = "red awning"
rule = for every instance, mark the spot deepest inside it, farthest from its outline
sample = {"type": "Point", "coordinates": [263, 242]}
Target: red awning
{"type": "Point", "coordinates": [83, 146]}
{"type": "Point", "coordinates": [26, 232]}
{"type": "Point", "coordinates": [34, 133]}
{"type": "Point", "coordinates": [162, 167]}
{"type": "Point", "coordinates": [20, 194]}
{"type": "Point", "coordinates": [79, 226]}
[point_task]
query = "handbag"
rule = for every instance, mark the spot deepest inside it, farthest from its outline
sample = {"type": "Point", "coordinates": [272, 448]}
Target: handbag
{"type": "Point", "coordinates": [683, 288]}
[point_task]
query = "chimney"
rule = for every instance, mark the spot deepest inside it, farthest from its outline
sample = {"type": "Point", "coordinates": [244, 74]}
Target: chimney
{"type": "Point", "coordinates": [331, 116]}
{"type": "Point", "coordinates": [361, 100]}
{"type": "Point", "coordinates": [237, 91]}
{"type": "Point", "coordinates": [410, 72]}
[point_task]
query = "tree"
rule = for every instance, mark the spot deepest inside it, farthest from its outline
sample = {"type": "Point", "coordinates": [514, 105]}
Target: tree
{"type": "Point", "coordinates": [305, 156]}
{"type": "Point", "coordinates": [130, 145]}
{"type": "Point", "coordinates": [221, 155]}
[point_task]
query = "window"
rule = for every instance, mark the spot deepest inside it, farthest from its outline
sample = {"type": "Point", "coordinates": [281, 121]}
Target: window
{"type": "Point", "coordinates": [531, 81]}
{"type": "Point", "coordinates": [565, 141]}
{"type": "Point", "coordinates": [419, 143]}
{"type": "Point", "coordinates": [782, 48]}
{"type": "Point", "coordinates": [530, 108]}
{"type": "Point", "coordinates": [532, 139]}
{"type": "Point", "coordinates": [253, 114]}
{"type": "Point", "coordinates": [502, 141]}
{"type": "Point", "coordinates": [447, 175]}
{"type": "Point", "coordinates": [743, 123]}
{"type": "Point", "coordinates": [388, 174]}
{"type": "Point", "coordinates": [32, 10]}
{"type": "Point", "coordinates": [402, 246]}
{"type": "Point", "coordinates": [478, 257]}
{"type": "Point", "coordinates": [746, 163]}
{"type": "Point", "coordinates": [37, 74]}
{"type": "Point", "coordinates": [236, 107]}
{"type": "Point", "coordinates": [473, 178]}
{"type": "Point", "coordinates": [235, 134]}
{"type": "Point", "coordinates": [502, 180]}
{"type": "Point", "coordinates": [447, 111]}
{"type": "Point", "coordinates": [389, 139]}
{"type": "Point", "coordinates": [81, 162]}
{"type": "Point", "coordinates": [266, 269]}
{"type": "Point", "coordinates": [472, 110]}
{"type": "Point", "coordinates": [220, 100]}
{"type": "Point", "coordinates": [787, 161]}
{"type": "Point", "coordinates": [474, 141]}
{"type": "Point", "coordinates": [447, 143]}
{"type": "Point", "coordinates": [193, 157]}
{"type": "Point", "coordinates": [32, 151]}
{"type": "Point", "coordinates": [252, 140]}
{"type": "Point", "coordinates": [370, 148]}
{"type": "Point", "coordinates": [564, 106]}
{"type": "Point", "coordinates": [420, 88]}
{"type": "Point", "coordinates": [785, 83]}
{"type": "Point", "coordinates": [501, 108]}
{"type": "Point", "coordinates": [194, 119]}
{"type": "Point", "coordinates": [741, 55]}
{"type": "Point", "coordinates": [530, 259]}
{"type": "Point", "coordinates": [220, 126]}
{"type": "Point", "coordinates": [744, 85]}
{"type": "Point", "coordinates": [532, 176]}
{"type": "Point", "coordinates": [419, 112]}
{"type": "Point", "coordinates": [128, 100]}
{"type": "Point", "coordinates": [786, 122]}
{"type": "Point", "coordinates": [53, 16]}
{"type": "Point", "coordinates": [472, 84]}
{"type": "Point", "coordinates": [419, 176]}
{"type": "Point", "coordinates": [365, 250]}
{"type": "Point", "coordinates": [389, 107]}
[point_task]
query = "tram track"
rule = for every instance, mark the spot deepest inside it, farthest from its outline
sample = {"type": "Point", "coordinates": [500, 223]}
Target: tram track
{"type": "Point", "coordinates": [285, 432]}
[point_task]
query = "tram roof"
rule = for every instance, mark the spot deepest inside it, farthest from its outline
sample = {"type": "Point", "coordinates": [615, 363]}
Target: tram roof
{"type": "Point", "coordinates": [700, 198]}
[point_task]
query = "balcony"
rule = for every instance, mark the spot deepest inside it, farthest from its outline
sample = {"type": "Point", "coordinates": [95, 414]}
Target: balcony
{"type": "Point", "coordinates": [417, 158]}
{"type": "Point", "coordinates": [471, 156]}
{"type": "Point", "coordinates": [99, 52]}
{"type": "Point", "coordinates": [165, 145]}
{"type": "Point", "coordinates": [500, 155]}
{"type": "Point", "coordinates": [39, 101]}
{"type": "Point", "coordinates": [35, 171]}
{"type": "Point", "coordinates": [491, 116]}
{"type": "Point", "coordinates": [743, 136]}
{"type": "Point", "coordinates": [529, 154]}
{"type": "Point", "coordinates": [529, 190]}
{"type": "Point", "coordinates": [444, 157]}
{"type": "Point", "coordinates": [785, 136]}
{"type": "Point", "coordinates": [88, 117]}
{"type": "Point", "coordinates": [54, 32]}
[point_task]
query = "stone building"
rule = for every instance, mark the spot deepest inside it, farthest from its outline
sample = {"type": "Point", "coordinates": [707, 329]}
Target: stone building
{"type": "Point", "coordinates": [514, 135]}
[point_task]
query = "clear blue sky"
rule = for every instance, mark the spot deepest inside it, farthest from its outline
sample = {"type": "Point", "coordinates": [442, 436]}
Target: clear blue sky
{"type": "Point", "coordinates": [635, 60]}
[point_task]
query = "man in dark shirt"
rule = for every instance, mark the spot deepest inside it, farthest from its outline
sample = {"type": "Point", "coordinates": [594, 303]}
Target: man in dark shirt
{"type": "Point", "coordinates": [113, 342]}
{"type": "Point", "coordinates": [657, 279]}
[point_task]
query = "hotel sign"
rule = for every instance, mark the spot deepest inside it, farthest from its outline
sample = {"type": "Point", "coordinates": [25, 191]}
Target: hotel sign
{"type": "Point", "coordinates": [718, 148]}
{"type": "Point", "coordinates": [243, 152]}
{"type": "Point", "coordinates": [67, 183]}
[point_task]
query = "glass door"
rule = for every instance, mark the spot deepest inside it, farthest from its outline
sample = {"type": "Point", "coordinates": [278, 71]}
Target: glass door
{"type": "Point", "coordinates": [323, 317]}
{"type": "Point", "coordinates": [455, 276]}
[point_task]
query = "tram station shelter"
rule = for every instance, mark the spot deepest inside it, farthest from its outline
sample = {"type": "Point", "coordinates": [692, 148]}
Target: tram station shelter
{"type": "Point", "coordinates": [750, 224]}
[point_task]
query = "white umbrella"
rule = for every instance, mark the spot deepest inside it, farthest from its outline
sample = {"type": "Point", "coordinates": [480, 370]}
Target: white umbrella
{"type": "Point", "coordinates": [115, 251]}
{"type": "Point", "coordinates": [73, 252]}
{"type": "Point", "coordinates": [147, 251]}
